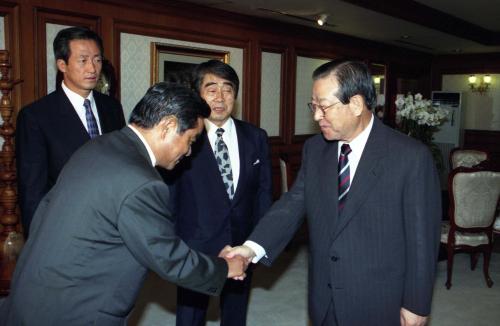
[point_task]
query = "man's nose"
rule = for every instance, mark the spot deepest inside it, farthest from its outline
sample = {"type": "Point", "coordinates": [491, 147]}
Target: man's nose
{"type": "Point", "coordinates": [318, 115]}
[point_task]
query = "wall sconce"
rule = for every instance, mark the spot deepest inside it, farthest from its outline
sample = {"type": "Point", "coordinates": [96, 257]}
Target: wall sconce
{"type": "Point", "coordinates": [322, 19]}
{"type": "Point", "coordinates": [483, 85]}
{"type": "Point", "coordinates": [376, 80]}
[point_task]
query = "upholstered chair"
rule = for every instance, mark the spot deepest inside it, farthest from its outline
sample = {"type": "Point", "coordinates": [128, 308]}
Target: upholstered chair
{"type": "Point", "coordinates": [474, 195]}
{"type": "Point", "coordinates": [466, 157]}
{"type": "Point", "coordinates": [285, 174]}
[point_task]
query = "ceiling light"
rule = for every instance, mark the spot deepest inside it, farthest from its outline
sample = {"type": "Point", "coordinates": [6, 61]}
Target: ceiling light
{"type": "Point", "coordinates": [322, 19]}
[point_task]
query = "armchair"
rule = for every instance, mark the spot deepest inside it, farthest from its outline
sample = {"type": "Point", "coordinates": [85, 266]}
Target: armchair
{"type": "Point", "coordinates": [474, 195]}
{"type": "Point", "coordinates": [466, 157]}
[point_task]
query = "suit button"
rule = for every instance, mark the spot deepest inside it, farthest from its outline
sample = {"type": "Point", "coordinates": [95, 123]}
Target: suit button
{"type": "Point", "coordinates": [329, 285]}
{"type": "Point", "coordinates": [333, 258]}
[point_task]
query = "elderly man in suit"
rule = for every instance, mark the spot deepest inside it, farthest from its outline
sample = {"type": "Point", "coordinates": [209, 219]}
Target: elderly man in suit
{"type": "Point", "coordinates": [107, 221]}
{"type": "Point", "coordinates": [51, 129]}
{"type": "Point", "coordinates": [220, 192]}
{"type": "Point", "coordinates": [372, 200]}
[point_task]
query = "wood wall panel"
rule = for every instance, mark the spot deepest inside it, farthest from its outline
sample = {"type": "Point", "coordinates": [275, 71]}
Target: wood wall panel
{"type": "Point", "coordinates": [179, 20]}
{"type": "Point", "coordinates": [487, 140]}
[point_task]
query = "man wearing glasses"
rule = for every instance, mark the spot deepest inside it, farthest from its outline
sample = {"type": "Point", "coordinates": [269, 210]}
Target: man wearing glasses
{"type": "Point", "coordinates": [372, 199]}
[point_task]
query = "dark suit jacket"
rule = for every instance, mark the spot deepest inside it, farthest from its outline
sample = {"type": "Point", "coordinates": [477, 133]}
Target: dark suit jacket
{"type": "Point", "coordinates": [95, 234]}
{"type": "Point", "coordinates": [206, 218]}
{"type": "Point", "coordinates": [380, 254]}
{"type": "Point", "coordinates": [48, 132]}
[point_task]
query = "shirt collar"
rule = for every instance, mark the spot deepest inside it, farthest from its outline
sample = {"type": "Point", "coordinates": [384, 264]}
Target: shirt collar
{"type": "Point", "coordinates": [75, 98]}
{"type": "Point", "coordinates": [148, 148]}
{"type": "Point", "coordinates": [228, 127]}
{"type": "Point", "coordinates": [358, 143]}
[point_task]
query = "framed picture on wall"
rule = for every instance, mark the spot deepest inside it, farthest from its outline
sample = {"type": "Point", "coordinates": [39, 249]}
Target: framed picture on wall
{"type": "Point", "coordinates": [175, 63]}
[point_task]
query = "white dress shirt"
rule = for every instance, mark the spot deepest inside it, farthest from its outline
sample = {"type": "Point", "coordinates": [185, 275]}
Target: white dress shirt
{"type": "Point", "coordinates": [231, 139]}
{"type": "Point", "coordinates": [77, 102]}
{"type": "Point", "coordinates": [357, 146]}
{"type": "Point", "coordinates": [152, 156]}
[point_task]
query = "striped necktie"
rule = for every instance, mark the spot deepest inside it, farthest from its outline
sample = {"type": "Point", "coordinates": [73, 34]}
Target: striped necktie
{"type": "Point", "coordinates": [92, 128]}
{"type": "Point", "coordinates": [344, 174]}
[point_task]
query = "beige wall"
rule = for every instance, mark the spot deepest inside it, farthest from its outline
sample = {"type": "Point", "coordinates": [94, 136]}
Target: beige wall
{"type": "Point", "coordinates": [479, 111]}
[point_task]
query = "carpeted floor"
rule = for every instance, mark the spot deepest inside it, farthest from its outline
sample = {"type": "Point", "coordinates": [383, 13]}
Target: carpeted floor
{"type": "Point", "coordinates": [279, 296]}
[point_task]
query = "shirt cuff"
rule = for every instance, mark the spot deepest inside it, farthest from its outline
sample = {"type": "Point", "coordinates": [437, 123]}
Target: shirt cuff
{"type": "Point", "coordinates": [257, 249]}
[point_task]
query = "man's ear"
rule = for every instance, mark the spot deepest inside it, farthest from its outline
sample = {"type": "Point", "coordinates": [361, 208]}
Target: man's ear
{"type": "Point", "coordinates": [356, 104]}
{"type": "Point", "coordinates": [168, 125]}
{"type": "Point", "coordinates": [61, 65]}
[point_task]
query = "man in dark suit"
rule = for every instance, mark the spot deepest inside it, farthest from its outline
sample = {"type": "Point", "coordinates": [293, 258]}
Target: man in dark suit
{"type": "Point", "coordinates": [51, 129]}
{"type": "Point", "coordinates": [107, 221]}
{"type": "Point", "coordinates": [214, 209]}
{"type": "Point", "coordinates": [372, 200]}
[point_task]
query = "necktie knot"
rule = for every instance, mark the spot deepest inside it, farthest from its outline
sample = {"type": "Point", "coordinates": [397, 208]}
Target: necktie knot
{"type": "Point", "coordinates": [92, 127]}
{"type": "Point", "coordinates": [345, 149]}
{"type": "Point", "coordinates": [86, 105]}
{"type": "Point", "coordinates": [219, 132]}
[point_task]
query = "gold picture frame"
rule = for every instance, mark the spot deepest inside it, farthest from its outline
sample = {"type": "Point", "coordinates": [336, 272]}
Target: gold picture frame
{"type": "Point", "coordinates": [168, 58]}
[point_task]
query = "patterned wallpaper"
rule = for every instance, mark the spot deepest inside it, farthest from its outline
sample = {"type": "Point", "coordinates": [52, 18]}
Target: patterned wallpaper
{"type": "Point", "coordinates": [51, 31]}
{"type": "Point", "coordinates": [304, 121]}
{"type": "Point", "coordinates": [135, 52]}
{"type": "Point", "coordinates": [270, 93]}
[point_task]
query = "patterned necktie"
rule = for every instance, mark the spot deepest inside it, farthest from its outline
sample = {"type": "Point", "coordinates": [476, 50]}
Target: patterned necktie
{"type": "Point", "coordinates": [222, 157]}
{"type": "Point", "coordinates": [344, 175]}
{"type": "Point", "coordinates": [91, 121]}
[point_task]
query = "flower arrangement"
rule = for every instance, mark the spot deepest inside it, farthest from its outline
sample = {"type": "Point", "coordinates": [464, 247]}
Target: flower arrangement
{"type": "Point", "coordinates": [419, 119]}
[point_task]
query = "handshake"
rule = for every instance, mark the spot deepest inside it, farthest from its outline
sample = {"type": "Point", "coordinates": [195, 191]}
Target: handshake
{"type": "Point", "coordinates": [237, 259]}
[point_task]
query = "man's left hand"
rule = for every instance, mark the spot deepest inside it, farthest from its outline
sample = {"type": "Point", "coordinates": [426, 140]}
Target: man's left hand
{"type": "Point", "coordinates": [408, 318]}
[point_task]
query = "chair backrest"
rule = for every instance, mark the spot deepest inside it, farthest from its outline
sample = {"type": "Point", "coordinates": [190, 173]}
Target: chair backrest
{"type": "Point", "coordinates": [284, 175]}
{"type": "Point", "coordinates": [466, 157]}
{"type": "Point", "coordinates": [474, 197]}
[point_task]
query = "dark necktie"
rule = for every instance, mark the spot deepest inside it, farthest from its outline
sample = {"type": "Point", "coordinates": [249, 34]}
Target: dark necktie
{"type": "Point", "coordinates": [91, 121]}
{"type": "Point", "coordinates": [222, 156]}
{"type": "Point", "coordinates": [344, 174]}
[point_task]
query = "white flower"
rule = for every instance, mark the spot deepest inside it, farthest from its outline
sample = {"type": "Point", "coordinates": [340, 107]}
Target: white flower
{"type": "Point", "coordinates": [419, 110]}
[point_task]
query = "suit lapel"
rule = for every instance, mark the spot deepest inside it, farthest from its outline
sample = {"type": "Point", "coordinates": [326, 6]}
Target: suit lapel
{"type": "Point", "coordinates": [103, 117]}
{"type": "Point", "coordinates": [328, 183]}
{"type": "Point", "coordinates": [70, 118]}
{"type": "Point", "coordinates": [243, 153]}
{"type": "Point", "coordinates": [368, 172]}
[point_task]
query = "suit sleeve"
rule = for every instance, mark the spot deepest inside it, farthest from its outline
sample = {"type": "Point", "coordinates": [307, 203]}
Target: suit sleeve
{"type": "Point", "coordinates": [422, 219]}
{"type": "Point", "coordinates": [264, 197]}
{"type": "Point", "coordinates": [146, 227]}
{"type": "Point", "coordinates": [279, 224]}
{"type": "Point", "coordinates": [32, 166]}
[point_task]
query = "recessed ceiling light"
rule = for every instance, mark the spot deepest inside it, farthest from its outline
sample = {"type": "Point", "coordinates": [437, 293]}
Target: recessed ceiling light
{"type": "Point", "coordinates": [322, 19]}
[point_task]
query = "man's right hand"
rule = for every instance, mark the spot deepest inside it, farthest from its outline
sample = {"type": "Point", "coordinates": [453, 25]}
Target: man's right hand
{"type": "Point", "coordinates": [236, 266]}
{"type": "Point", "coordinates": [243, 251]}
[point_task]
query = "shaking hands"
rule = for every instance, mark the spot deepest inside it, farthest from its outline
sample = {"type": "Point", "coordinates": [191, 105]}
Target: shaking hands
{"type": "Point", "coordinates": [237, 259]}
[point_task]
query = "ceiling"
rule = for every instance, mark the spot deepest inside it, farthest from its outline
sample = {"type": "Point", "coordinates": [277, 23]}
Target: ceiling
{"type": "Point", "coordinates": [432, 26]}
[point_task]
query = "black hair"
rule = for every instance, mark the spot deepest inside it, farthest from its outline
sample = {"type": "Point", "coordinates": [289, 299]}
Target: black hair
{"type": "Point", "coordinates": [65, 36]}
{"type": "Point", "coordinates": [353, 77]}
{"type": "Point", "coordinates": [164, 99]}
{"type": "Point", "coordinates": [217, 68]}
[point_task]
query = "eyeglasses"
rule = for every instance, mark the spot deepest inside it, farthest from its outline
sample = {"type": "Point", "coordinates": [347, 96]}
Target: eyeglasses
{"type": "Point", "coordinates": [313, 107]}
